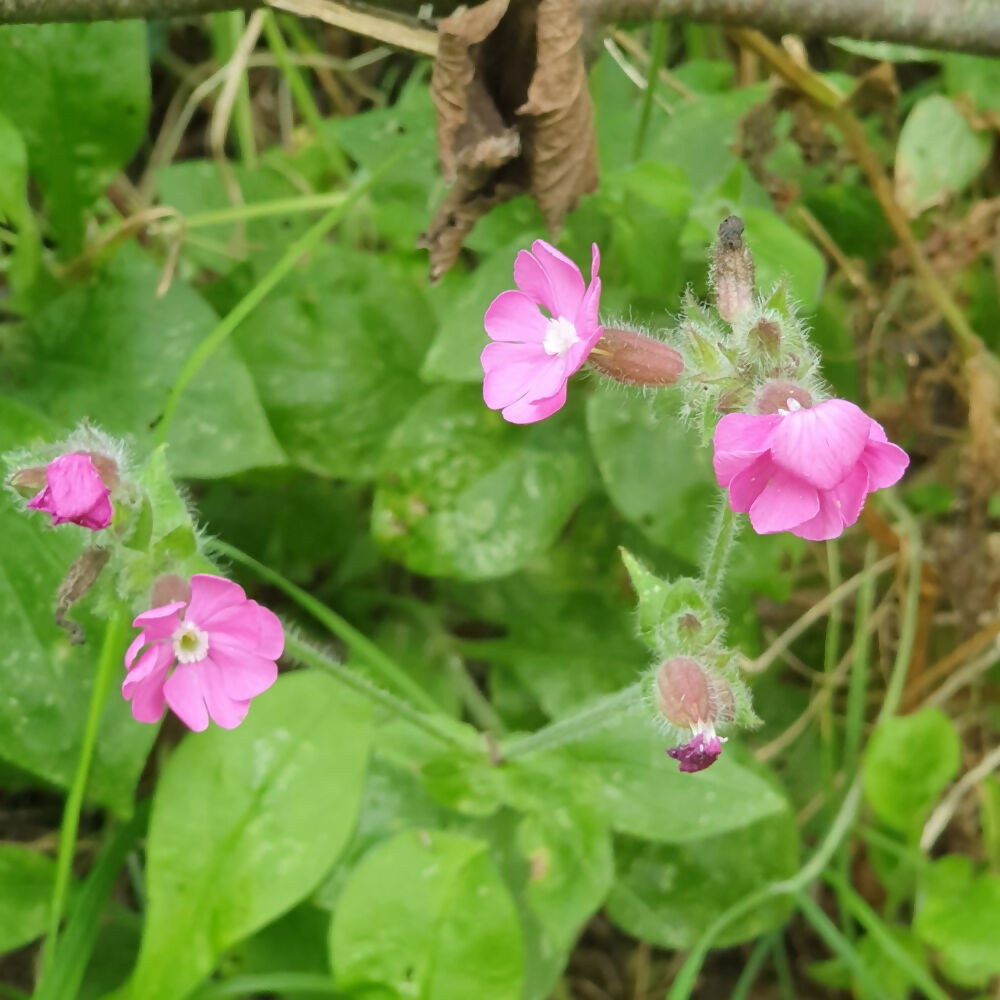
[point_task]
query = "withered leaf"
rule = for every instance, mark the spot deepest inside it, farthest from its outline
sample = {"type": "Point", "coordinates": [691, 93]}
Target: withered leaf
{"type": "Point", "coordinates": [513, 115]}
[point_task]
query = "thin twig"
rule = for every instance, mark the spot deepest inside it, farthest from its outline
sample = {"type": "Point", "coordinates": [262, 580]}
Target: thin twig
{"type": "Point", "coordinates": [946, 808]}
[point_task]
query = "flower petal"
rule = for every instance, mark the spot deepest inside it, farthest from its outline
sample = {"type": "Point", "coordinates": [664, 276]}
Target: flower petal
{"type": "Point", "coordinates": [209, 595]}
{"type": "Point", "coordinates": [184, 696]}
{"type": "Point", "coordinates": [158, 623]}
{"type": "Point", "coordinates": [224, 710]}
{"type": "Point", "coordinates": [525, 411]}
{"type": "Point", "coordinates": [75, 489]}
{"type": "Point", "coordinates": [783, 504]}
{"type": "Point", "coordinates": [885, 463]}
{"type": "Point", "coordinates": [244, 674]}
{"type": "Point", "coordinates": [739, 439]}
{"type": "Point", "coordinates": [749, 483]}
{"type": "Point", "coordinates": [143, 686]}
{"type": "Point", "coordinates": [532, 279]}
{"type": "Point", "coordinates": [822, 444]}
{"type": "Point", "coordinates": [513, 317]}
{"type": "Point", "coordinates": [699, 753]}
{"type": "Point", "coordinates": [501, 353]}
{"type": "Point", "coordinates": [531, 381]}
{"type": "Point", "coordinates": [564, 277]}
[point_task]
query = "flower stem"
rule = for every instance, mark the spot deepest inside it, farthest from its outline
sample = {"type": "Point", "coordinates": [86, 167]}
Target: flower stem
{"type": "Point", "coordinates": [588, 720]}
{"type": "Point", "coordinates": [107, 663]}
{"type": "Point", "coordinates": [720, 544]}
{"type": "Point", "coordinates": [392, 673]}
{"type": "Point", "coordinates": [430, 724]}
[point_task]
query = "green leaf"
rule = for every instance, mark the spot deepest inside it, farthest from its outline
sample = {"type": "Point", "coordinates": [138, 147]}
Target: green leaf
{"type": "Point", "coordinates": [335, 354]}
{"type": "Point", "coordinates": [427, 915]}
{"type": "Point", "coordinates": [909, 762]}
{"type": "Point", "coordinates": [958, 914]}
{"type": "Point", "coordinates": [461, 300]}
{"type": "Point", "coordinates": [46, 681]}
{"type": "Point", "coordinates": [26, 879]}
{"type": "Point", "coordinates": [886, 51]}
{"type": "Point", "coordinates": [974, 77]}
{"type": "Point", "coordinates": [15, 210]}
{"type": "Point", "coordinates": [939, 154]}
{"type": "Point", "coordinates": [671, 498]}
{"type": "Point", "coordinates": [642, 793]}
{"type": "Point", "coordinates": [79, 93]}
{"type": "Point", "coordinates": [462, 493]}
{"type": "Point", "coordinates": [570, 868]}
{"type": "Point", "coordinates": [669, 894]}
{"type": "Point", "coordinates": [111, 351]}
{"type": "Point", "coordinates": [781, 253]}
{"type": "Point", "coordinates": [245, 824]}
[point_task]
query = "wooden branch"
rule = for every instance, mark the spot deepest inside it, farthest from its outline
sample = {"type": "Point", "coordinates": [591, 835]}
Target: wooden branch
{"type": "Point", "coordinates": [959, 25]}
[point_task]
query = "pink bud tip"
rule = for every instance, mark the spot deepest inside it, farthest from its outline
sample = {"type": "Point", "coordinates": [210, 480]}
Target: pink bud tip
{"type": "Point", "coordinates": [699, 753]}
{"type": "Point", "coordinates": [75, 492]}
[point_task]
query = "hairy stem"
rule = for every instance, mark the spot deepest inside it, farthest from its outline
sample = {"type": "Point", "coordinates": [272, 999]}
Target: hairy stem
{"type": "Point", "coordinates": [588, 720]}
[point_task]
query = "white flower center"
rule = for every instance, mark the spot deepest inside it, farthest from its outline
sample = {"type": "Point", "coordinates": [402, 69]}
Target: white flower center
{"type": "Point", "coordinates": [560, 336]}
{"type": "Point", "coordinates": [190, 643]}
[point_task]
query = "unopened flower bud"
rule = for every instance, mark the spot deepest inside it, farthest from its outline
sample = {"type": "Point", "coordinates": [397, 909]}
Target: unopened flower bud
{"type": "Point", "coordinates": [691, 698]}
{"type": "Point", "coordinates": [169, 588]}
{"type": "Point", "coordinates": [76, 489]}
{"type": "Point", "coordinates": [77, 582]}
{"type": "Point", "coordinates": [781, 396]}
{"type": "Point", "coordinates": [766, 336]}
{"type": "Point", "coordinates": [732, 271]}
{"type": "Point", "coordinates": [635, 359]}
{"type": "Point", "coordinates": [683, 692]}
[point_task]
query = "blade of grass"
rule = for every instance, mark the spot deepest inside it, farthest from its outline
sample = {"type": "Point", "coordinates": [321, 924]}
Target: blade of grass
{"type": "Point", "coordinates": [64, 973]}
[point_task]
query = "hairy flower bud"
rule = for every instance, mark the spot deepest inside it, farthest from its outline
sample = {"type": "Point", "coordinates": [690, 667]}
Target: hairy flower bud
{"type": "Point", "coordinates": [732, 270]}
{"type": "Point", "coordinates": [635, 359]}
{"type": "Point", "coordinates": [169, 588]}
{"type": "Point", "coordinates": [683, 692]}
{"type": "Point", "coordinates": [691, 698]}
{"type": "Point", "coordinates": [780, 396]}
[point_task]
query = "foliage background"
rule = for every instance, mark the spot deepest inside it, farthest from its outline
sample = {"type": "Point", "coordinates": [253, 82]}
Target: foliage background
{"type": "Point", "coordinates": [339, 437]}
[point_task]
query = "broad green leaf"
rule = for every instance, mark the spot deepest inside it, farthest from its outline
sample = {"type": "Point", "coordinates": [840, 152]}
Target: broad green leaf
{"type": "Point", "coordinates": [909, 762]}
{"type": "Point", "coordinates": [642, 793]}
{"type": "Point", "coordinates": [782, 253]}
{"type": "Point", "coordinates": [46, 682]}
{"type": "Point", "coordinates": [570, 868]}
{"type": "Point", "coordinates": [669, 894]}
{"type": "Point", "coordinates": [974, 77]}
{"type": "Point", "coordinates": [426, 915]}
{"type": "Point", "coordinates": [110, 352]}
{"type": "Point", "coordinates": [939, 154]}
{"type": "Point", "coordinates": [958, 914]}
{"type": "Point", "coordinates": [463, 494]}
{"type": "Point", "coordinates": [653, 467]}
{"type": "Point", "coordinates": [335, 356]}
{"type": "Point", "coordinates": [26, 879]}
{"type": "Point", "coordinates": [461, 301]}
{"type": "Point", "coordinates": [245, 824]}
{"type": "Point", "coordinates": [79, 93]}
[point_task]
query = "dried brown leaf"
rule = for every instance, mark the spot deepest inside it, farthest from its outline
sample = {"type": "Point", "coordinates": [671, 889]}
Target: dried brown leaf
{"type": "Point", "coordinates": [513, 115]}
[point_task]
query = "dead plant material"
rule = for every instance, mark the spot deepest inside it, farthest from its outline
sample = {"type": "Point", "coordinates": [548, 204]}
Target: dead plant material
{"type": "Point", "coordinates": [513, 116]}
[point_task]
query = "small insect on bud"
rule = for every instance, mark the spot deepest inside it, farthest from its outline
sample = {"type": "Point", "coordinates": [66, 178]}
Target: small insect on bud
{"type": "Point", "coordinates": [732, 271]}
{"type": "Point", "coordinates": [690, 698]}
{"type": "Point", "coordinates": [781, 396]}
{"type": "Point", "coordinates": [635, 359]}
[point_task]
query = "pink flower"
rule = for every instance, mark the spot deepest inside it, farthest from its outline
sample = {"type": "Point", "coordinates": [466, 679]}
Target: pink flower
{"type": "Point", "coordinates": [806, 471]}
{"type": "Point", "coordinates": [699, 753]}
{"type": "Point", "coordinates": [222, 646]}
{"type": "Point", "coordinates": [74, 492]}
{"type": "Point", "coordinates": [534, 354]}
